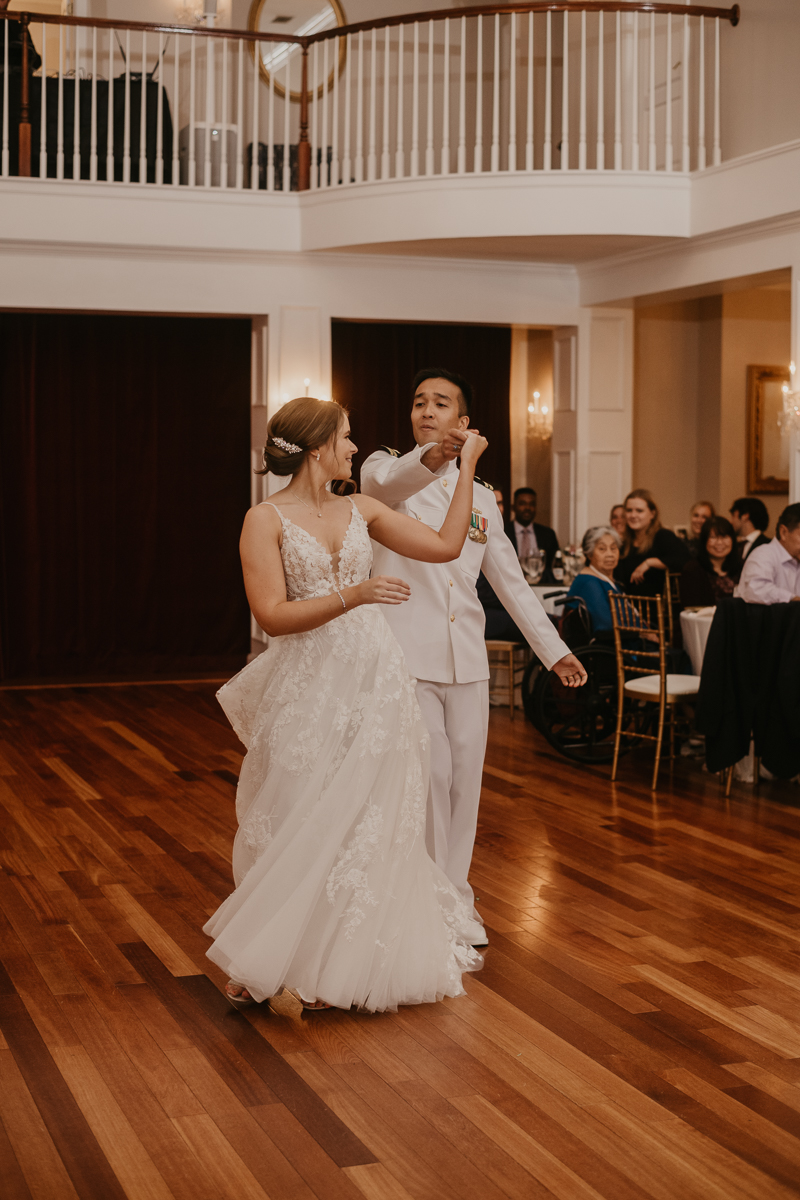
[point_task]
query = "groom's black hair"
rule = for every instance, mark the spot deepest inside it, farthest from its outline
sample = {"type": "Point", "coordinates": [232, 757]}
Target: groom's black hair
{"type": "Point", "coordinates": [441, 373]}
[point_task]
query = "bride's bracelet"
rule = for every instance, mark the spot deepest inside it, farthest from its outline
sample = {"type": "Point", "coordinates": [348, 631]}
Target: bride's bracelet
{"type": "Point", "coordinates": [341, 597]}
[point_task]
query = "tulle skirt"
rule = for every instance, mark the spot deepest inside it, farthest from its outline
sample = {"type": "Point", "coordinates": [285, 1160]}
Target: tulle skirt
{"type": "Point", "coordinates": [336, 896]}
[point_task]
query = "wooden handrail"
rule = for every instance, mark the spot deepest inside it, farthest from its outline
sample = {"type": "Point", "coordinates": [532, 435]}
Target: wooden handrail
{"type": "Point", "coordinates": [304, 148]}
{"type": "Point", "coordinates": [438, 14]}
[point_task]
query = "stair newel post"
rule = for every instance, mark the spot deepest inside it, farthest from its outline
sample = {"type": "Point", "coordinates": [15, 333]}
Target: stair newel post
{"type": "Point", "coordinates": [24, 115]}
{"type": "Point", "coordinates": [304, 147]}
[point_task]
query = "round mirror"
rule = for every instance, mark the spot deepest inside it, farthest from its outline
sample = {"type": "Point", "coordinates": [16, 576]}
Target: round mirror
{"type": "Point", "coordinates": [300, 18]}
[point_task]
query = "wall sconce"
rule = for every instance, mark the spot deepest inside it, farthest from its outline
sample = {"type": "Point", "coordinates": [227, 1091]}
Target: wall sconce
{"type": "Point", "coordinates": [540, 418]}
{"type": "Point", "coordinates": [789, 419]}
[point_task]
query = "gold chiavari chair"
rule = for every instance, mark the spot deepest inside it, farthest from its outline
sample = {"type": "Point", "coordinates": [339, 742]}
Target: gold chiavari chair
{"type": "Point", "coordinates": [672, 603]}
{"type": "Point", "coordinates": [640, 641]}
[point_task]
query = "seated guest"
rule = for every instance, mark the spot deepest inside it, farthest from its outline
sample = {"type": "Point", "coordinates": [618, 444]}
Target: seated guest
{"type": "Point", "coordinates": [601, 546]}
{"type": "Point", "coordinates": [771, 573]}
{"type": "Point", "coordinates": [617, 520]}
{"type": "Point", "coordinates": [750, 521]}
{"type": "Point", "coordinates": [714, 573]}
{"type": "Point", "coordinates": [701, 512]}
{"type": "Point", "coordinates": [526, 536]}
{"type": "Point", "coordinates": [648, 550]}
{"type": "Point", "coordinates": [500, 501]}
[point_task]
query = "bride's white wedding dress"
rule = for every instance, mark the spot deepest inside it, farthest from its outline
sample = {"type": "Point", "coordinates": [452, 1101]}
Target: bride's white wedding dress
{"type": "Point", "coordinates": [336, 896]}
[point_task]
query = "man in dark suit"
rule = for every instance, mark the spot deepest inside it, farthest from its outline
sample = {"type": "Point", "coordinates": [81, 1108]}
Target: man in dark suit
{"type": "Point", "coordinates": [521, 532]}
{"type": "Point", "coordinates": [750, 521]}
{"type": "Point", "coordinates": [526, 536]}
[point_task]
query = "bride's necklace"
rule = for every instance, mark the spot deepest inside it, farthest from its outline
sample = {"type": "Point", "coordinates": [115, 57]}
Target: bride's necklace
{"type": "Point", "coordinates": [302, 501]}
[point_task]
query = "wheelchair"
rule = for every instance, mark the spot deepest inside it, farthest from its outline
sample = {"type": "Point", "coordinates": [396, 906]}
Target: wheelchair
{"type": "Point", "coordinates": [580, 723]}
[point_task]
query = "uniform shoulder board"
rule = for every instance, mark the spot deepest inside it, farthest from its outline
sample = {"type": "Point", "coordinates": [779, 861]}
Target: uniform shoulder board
{"type": "Point", "coordinates": [483, 483]}
{"type": "Point", "coordinates": [389, 450]}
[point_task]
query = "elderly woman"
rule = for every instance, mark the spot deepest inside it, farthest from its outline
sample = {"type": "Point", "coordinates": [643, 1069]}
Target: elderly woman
{"type": "Point", "coordinates": [601, 545]}
{"type": "Point", "coordinates": [649, 550]}
{"type": "Point", "coordinates": [714, 573]}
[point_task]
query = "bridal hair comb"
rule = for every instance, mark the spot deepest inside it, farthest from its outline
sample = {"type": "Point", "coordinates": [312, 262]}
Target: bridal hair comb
{"type": "Point", "coordinates": [289, 447]}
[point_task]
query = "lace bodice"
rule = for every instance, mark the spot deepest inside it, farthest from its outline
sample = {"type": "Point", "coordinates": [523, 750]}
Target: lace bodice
{"type": "Point", "coordinates": [311, 571]}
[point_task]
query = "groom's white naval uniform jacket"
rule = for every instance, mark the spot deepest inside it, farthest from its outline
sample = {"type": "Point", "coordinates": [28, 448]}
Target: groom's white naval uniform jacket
{"type": "Point", "coordinates": [441, 632]}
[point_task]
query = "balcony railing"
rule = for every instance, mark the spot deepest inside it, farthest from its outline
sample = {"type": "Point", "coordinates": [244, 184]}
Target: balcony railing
{"type": "Point", "coordinates": [498, 89]}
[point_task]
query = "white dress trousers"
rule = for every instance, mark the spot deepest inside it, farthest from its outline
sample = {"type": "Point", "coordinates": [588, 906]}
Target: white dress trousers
{"type": "Point", "coordinates": [441, 632]}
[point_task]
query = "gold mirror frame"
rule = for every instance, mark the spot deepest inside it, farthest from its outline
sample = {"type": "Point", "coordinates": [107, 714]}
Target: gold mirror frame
{"type": "Point", "coordinates": [253, 18]}
{"type": "Point", "coordinates": [757, 481]}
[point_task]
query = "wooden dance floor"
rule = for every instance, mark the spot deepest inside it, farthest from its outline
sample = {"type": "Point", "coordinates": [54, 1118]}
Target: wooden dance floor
{"type": "Point", "coordinates": [634, 1034]}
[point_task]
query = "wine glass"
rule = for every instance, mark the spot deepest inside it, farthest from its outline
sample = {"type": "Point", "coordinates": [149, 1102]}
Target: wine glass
{"type": "Point", "coordinates": [533, 567]}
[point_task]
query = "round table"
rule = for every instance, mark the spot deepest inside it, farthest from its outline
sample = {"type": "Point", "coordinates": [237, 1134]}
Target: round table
{"type": "Point", "coordinates": [695, 627]}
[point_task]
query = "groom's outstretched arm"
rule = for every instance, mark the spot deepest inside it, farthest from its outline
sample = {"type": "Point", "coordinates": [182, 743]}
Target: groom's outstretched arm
{"type": "Point", "coordinates": [501, 568]}
{"type": "Point", "coordinates": [395, 479]}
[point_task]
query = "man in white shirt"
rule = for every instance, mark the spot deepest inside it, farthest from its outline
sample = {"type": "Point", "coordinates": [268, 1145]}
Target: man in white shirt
{"type": "Point", "coordinates": [750, 520]}
{"type": "Point", "coordinates": [771, 574]}
{"type": "Point", "coordinates": [441, 628]}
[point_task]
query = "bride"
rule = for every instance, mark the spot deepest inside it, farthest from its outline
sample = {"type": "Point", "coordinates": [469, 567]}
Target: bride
{"type": "Point", "coordinates": [336, 897]}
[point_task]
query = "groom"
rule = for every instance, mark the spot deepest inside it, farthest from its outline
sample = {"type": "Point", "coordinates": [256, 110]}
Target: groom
{"type": "Point", "coordinates": [441, 628]}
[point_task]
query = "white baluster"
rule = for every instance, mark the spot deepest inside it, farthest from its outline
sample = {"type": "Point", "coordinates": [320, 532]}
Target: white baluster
{"type": "Point", "coordinates": [93, 117]}
{"type": "Point", "coordinates": [42, 114]}
{"type": "Point", "coordinates": [347, 168]}
{"type": "Point", "coordinates": [76, 107]}
{"type": "Point", "coordinates": [360, 110]}
{"type": "Point", "coordinates": [159, 174]}
{"type": "Point", "coordinates": [337, 47]}
{"type": "Point", "coordinates": [386, 158]}
{"type": "Point", "coordinates": [176, 124]}
{"type": "Point", "coordinates": [223, 178]}
{"type": "Point", "coordinates": [415, 108]}
{"type": "Point", "coordinates": [143, 115]}
{"type": "Point", "coordinates": [685, 157]}
{"type": "Point", "coordinates": [512, 89]}
{"type": "Point", "coordinates": [618, 96]}
{"type": "Point", "coordinates": [399, 153]}
{"type": "Point", "coordinates": [529, 107]}
{"type": "Point", "coordinates": [4, 161]}
{"type": "Point", "coordinates": [461, 165]}
{"type": "Point", "coordinates": [446, 101]}
{"type": "Point", "coordinates": [565, 97]}
{"type": "Point", "coordinates": [495, 158]}
{"type": "Point", "coordinates": [582, 125]}
{"type": "Point", "coordinates": [126, 138]}
{"type": "Point", "coordinates": [325, 168]}
{"type": "Point", "coordinates": [548, 96]}
{"type": "Point", "coordinates": [701, 100]}
{"type": "Point", "coordinates": [240, 143]}
{"type": "Point", "coordinates": [209, 113]}
{"type": "Point", "coordinates": [478, 160]}
{"type": "Point", "coordinates": [60, 106]}
{"type": "Point", "coordinates": [254, 124]}
{"type": "Point", "coordinates": [668, 123]}
{"type": "Point", "coordinates": [315, 170]}
{"type": "Point", "coordinates": [270, 180]}
{"type": "Point", "coordinates": [373, 88]}
{"type": "Point", "coordinates": [635, 97]}
{"type": "Point", "coordinates": [651, 138]}
{"type": "Point", "coordinates": [429, 107]}
{"type": "Point", "coordinates": [717, 147]}
{"type": "Point", "coordinates": [600, 152]}
{"type": "Point", "coordinates": [287, 129]}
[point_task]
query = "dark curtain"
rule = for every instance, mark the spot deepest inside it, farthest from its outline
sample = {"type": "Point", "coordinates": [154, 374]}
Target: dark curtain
{"type": "Point", "coordinates": [374, 364]}
{"type": "Point", "coordinates": [125, 477]}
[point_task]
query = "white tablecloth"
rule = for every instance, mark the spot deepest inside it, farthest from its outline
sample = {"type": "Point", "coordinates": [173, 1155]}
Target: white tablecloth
{"type": "Point", "coordinates": [549, 606]}
{"type": "Point", "coordinates": [695, 627]}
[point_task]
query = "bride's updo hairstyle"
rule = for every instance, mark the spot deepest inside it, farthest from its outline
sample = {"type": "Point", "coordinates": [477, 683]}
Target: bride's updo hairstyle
{"type": "Point", "coordinates": [299, 426]}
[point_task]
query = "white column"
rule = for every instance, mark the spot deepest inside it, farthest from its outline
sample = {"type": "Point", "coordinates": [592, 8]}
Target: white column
{"type": "Point", "coordinates": [565, 433]}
